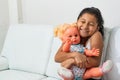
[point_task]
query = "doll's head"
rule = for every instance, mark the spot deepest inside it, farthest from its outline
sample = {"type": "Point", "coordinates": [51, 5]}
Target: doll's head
{"type": "Point", "coordinates": [68, 32]}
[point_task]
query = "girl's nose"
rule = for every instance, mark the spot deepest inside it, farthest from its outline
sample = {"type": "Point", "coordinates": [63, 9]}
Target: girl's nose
{"type": "Point", "coordinates": [85, 26]}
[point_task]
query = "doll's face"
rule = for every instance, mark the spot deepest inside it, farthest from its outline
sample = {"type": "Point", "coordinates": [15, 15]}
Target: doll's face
{"type": "Point", "coordinates": [72, 34]}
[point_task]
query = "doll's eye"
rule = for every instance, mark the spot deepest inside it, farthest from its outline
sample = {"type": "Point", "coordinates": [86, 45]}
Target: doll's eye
{"type": "Point", "coordinates": [70, 36]}
{"type": "Point", "coordinates": [76, 35]}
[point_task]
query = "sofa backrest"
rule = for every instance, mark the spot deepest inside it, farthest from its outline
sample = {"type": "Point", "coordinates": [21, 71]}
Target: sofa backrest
{"type": "Point", "coordinates": [107, 32]}
{"type": "Point", "coordinates": [32, 48]}
{"type": "Point", "coordinates": [27, 47]}
{"type": "Point", "coordinates": [53, 66]}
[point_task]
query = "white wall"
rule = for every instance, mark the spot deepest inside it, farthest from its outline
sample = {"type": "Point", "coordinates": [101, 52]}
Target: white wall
{"type": "Point", "coordinates": [4, 21]}
{"type": "Point", "coordinates": [53, 12]}
{"type": "Point", "coordinates": [13, 11]}
{"type": "Point", "coordinates": [60, 11]}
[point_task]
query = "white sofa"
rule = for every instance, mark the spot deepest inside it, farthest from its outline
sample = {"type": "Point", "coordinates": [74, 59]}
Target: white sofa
{"type": "Point", "coordinates": [28, 53]}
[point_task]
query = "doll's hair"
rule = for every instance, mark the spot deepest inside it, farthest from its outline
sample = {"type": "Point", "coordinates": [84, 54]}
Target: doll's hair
{"type": "Point", "coordinates": [60, 29]}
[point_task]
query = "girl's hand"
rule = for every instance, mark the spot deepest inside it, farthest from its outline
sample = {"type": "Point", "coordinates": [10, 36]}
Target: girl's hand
{"type": "Point", "coordinates": [80, 60]}
{"type": "Point", "coordinates": [68, 63]}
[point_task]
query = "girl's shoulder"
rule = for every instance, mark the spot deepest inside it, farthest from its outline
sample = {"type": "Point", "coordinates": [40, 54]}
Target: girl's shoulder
{"type": "Point", "coordinates": [96, 35]}
{"type": "Point", "coordinates": [96, 40]}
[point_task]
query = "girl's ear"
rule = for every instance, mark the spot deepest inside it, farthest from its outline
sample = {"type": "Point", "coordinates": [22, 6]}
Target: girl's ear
{"type": "Point", "coordinates": [98, 28]}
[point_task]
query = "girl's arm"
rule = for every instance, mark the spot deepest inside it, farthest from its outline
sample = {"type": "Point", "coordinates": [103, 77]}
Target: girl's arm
{"type": "Point", "coordinates": [63, 56]}
{"type": "Point", "coordinates": [96, 41]}
{"type": "Point", "coordinates": [81, 60]}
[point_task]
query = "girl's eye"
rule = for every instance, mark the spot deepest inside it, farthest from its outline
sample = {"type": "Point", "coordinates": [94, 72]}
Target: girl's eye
{"type": "Point", "coordinates": [91, 24]}
{"type": "Point", "coordinates": [82, 21]}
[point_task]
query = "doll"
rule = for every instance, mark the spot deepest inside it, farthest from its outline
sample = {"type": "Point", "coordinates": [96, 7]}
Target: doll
{"type": "Point", "coordinates": [70, 36]}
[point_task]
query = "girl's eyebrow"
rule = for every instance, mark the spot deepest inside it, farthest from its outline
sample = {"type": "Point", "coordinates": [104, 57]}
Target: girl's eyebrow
{"type": "Point", "coordinates": [81, 19]}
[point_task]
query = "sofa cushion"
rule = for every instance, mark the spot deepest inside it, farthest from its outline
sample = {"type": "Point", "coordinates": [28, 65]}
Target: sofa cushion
{"type": "Point", "coordinates": [113, 53]}
{"type": "Point", "coordinates": [52, 65]}
{"type": "Point", "coordinates": [27, 47]}
{"type": "Point", "coordinates": [50, 78]}
{"type": "Point", "coordinates": [3, 63]}
{"type": "Point", "coordinates": [19, 75]}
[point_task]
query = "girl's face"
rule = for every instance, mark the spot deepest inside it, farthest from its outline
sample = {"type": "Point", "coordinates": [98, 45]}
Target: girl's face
{"type": "Point", "coordinates": [71, 35]}
{"type": "Point", "coordinates": [87, 25]}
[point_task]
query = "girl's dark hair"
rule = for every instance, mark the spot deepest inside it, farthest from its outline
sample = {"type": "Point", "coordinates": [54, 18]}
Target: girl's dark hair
{"type": "Point", "coordinates": [96, 12]}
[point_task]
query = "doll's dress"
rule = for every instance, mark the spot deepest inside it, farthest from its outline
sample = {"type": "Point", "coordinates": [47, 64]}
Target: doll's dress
{"type": "Point", "coordinates": [78, 72]}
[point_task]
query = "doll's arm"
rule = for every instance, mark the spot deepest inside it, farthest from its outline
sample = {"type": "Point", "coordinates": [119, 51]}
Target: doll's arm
{"type": "Point", "coordinates": [93, 52]}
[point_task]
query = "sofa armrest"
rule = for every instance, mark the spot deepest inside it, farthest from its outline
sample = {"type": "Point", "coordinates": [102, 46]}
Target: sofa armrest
{"type": "Point", "coordinates": [3, 63]}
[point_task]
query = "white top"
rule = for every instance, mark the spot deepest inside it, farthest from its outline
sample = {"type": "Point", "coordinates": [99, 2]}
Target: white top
{"type": "Point", "coordinates": [88, 45]}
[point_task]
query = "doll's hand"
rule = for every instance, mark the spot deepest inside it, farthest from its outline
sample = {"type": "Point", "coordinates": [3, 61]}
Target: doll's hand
{"type": "Point", "coordinates": [93, 52]}
{"type": "Point", "coordinates": [69, 42]}
{"type": "Point", "coordinates": [66, 46]}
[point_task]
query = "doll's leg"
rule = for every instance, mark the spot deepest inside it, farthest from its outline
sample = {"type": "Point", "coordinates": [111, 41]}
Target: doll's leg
{"type": "Point", "coordinates": [65, 74]}
{"type": "Point", "coordinates": [92, 72]}
{"type": "Point", "coordinates": [98, 71]}
{"type": "Point", "coordinates": [65, 71]}
{"type": "Point", "coordinates": [107, 66]}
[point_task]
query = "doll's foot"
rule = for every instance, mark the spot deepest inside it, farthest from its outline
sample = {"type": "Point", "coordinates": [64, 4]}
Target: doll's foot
{"type": "Point", "coordinates": [98, 71]}
{"type": "Point", "coordinates": [65, 73]}
{"type": "Point", "coordinates": [107, 66]}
